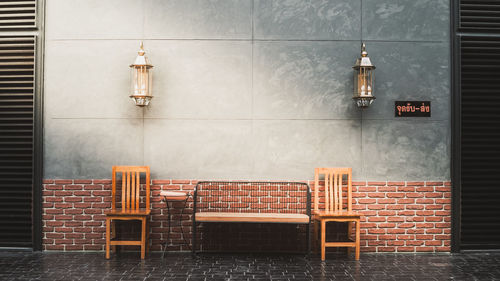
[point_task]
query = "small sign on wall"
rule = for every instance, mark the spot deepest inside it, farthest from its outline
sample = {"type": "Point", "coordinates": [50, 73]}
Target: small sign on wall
{"type": "Point", "coordinates": [412, 109]}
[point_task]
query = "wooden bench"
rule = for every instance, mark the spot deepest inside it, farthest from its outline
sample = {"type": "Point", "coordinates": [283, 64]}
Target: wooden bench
{"type": "Point", "coordinates": [251, 202]}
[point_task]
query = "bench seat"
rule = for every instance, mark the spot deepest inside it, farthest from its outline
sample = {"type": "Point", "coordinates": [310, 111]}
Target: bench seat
{"type": "Point", "coordinates": [251, 217]}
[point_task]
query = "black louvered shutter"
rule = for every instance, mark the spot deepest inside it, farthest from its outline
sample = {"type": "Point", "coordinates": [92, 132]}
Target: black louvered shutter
{"type": "Point", "coordinates": [17, 60]}
{"type": "Point", "coordinates": [479, 45]}
{"type": "Point", "coordinates": [17, 14]}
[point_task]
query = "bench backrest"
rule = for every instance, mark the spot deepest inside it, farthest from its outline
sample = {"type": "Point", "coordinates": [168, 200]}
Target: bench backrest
{"type": "Point", "coordinates": [252, 197]}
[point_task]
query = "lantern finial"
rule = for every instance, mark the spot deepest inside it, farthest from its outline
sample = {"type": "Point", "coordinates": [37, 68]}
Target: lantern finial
{"type": "Point", "coordinates": [364, 53]}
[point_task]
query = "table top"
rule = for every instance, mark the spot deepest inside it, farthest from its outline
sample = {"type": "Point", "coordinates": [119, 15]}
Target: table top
{"type": "Point", "coordinates": [174, 195]}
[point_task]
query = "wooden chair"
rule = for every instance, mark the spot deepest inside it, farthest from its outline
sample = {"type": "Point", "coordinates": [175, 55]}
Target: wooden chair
{"type": "Point", "coordinates": [334, 208]}
{"type": "Point", "coordinates": [131, 207]}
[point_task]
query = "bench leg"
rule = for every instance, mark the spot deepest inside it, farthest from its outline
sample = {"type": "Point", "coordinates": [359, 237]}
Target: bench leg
{"type": "Point", "coordinates": [323, 239]}
{"type": "Point", "coordinates": [193, 239]}
{"type": "Point", "coordinates": [308, 239]}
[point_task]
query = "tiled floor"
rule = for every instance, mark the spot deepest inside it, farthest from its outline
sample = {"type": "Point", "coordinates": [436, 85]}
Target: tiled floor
{"type": "Point", "coordinates": [181, 266]}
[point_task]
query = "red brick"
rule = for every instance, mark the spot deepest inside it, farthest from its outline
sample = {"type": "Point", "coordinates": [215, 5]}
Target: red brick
{"type": "Point", "coordinates": [367, 189]}
{"type": "Point", "coordinates": [415, 231]}
{"type": "Point", "coordinates": [101, 181]}
{"type": "Point", "coordinates": [181, 181]}
{"type": "Point", "coordinates": [414, 243]}
{"type": "Point", "coordinates": [424, 237]}
{"type": "Point", "coordinates": [368, 213]}
{"type": "Point", "coordinates": [74, 235]}
{"type": "Point", "coordinates": [73, 187]}
{"type": "Point", "coordinates": [54, 235]}
{"type": "Point", "coordinates": [386, 213]}
{"type": "Point", "coordinates": [414, 195]}
{"type": "Point", "coordinates": [372, 183]}
{"type": "Point", "coordinates": [101, 193]}
{"type": "Point", "coordinates": [425, 189]}
{"type": "Point", "coordinates": [434, 195]}
{"type": "Point", "coordinates": [73, 211]}
{"type": "Point", "coordinates": [386, 225]}
{"type": "Point", "coordinates": [90, 187]}
{"type": "Point", "coordinates": [47, 181]}
{"type": "Point", "coordinates": [433, 243]}
{"type": "Point", "coordinates": [46, 193]}
{"type": "Point", "coordinates": [72, 199]}
{"type": "Point", "coordinates": [376, 243]}
{"type": "Point", "coordinates": [376, 231]}
{"type": "Point", "coordinates": [83, 181]}
{"type": "Point", "coordinates": [376, 195]}
{"type": "Point", "coordinates": [63, 217]}
{"type": "Point", "coordinates": [82, 205]}
{"type": "Point", "coordinates": [368, 225]}
{"type": "Point", "coordinates": [405, 249]}
{"type": "Point", "coordinates": [443, 213]}
{"type": "Point", "coordinates": [406, 189]}
{"type": "Point", "coordinates": [434, 183]}
{"type": "Point", "coordinates": [54, 187]}
{"type": "Point", "coordinates": [434, 219]}
{"type": "Point", "coordinates": [82, 217]}
{"type": "Point", "coordinates": [53, 211]}
{"type": "Point", "coordinates": [74, 248]}
{"type": "Point", "coordinates": [63, 193]}
{"type": "Point", "coordinates": [434, 231]}
{"type": "Point", "coordinates": [53, 199]}
{"type": "Point", "coordinates": [396, 231]}
{"type": "Point", "coordinates": [63, 229]}
{"type": "Point", "coordinates": [376, 207]}
{"type": "Point", "coordinates": [367, 201]}
{"type": "Point", "coordinates": [358, 183]}
{"type": "Point", "coordinates": [425, 225]}
{"type": "Point", "coordinates": [387, 237]}
{"type": "Point", "coordinates": [386, 201]}
{"type": "Point", "coordinates": [161, 182]}
{"type": "Point", "coordinates": [443, 237]}
{"type": "Point", "coordinates": [376, 219]}
{"type": "Point", "coordinates": [92, 199]}
{"type": "Point", "coordinates": [405, 237]}
{"type": "Point", "coordinates": [395, 243]}
{"type": "Point", "coordinates": [425, 213]}
{"type": "Point", "coordinates": [425, 201]}
{"type": "Point", "coordinates": [406, 225]}
{"type": "Point", "coordinates": [395, 207]}
{"type": "Point", "coordinates": [63, 181]}
{"type": "Point", "coordinates": [434, 207]}
{"type": "Point", "coordinates": [414, 207]}
{"type": "Point", "coordinates": [54, 223]}
{"type": "Point", "coordinates": [424, 249]}
{"type": "Point", "coordinates": [386, 189]}
{"type": "Point", "coordinates": [443, 188]}
{"type": "Point", "coordinates": [406, 201]}
{"type": "Point", "coordinates": [54, 247]}
{"type": "Point", "coordinates": [395, 195]}
{"type": "Point", "coordinates": [93, 211]}
{"type": "Point", "coordinates": [406, 213]}
{"type": "Point", "coordinates": [386, 249]}
{"type": "Point", "coordinates": [443, 201]}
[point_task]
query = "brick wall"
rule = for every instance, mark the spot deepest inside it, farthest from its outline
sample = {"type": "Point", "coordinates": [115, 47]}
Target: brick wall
{"type": "Point", "coordinates": [398, 216]}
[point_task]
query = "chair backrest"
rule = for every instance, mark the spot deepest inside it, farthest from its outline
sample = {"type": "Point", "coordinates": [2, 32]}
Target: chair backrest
{"type": "Point", "coordinates": [131, 187]}
{"type": "Point", "coordinates": [333, 192]}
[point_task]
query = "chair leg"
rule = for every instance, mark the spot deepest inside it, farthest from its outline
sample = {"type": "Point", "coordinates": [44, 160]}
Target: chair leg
{"type": "Point", "coordinates": [113, 235]}
{"type": "Point", "coordinates": [357, 239]}
{"type": "Point", "coordinates": [143, 239]}
{"type": "Point", "coordinates": [108, 236]}
{"type": "Point", "coordinates": [323, 239]}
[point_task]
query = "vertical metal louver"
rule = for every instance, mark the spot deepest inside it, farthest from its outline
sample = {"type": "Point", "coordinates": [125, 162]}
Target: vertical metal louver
{"type": "Point", "coordinates": [480, 84]}
{"type": "Point", "coordinates": [17, 61]}
{"type": "Point", "coordinates": [479, 15]}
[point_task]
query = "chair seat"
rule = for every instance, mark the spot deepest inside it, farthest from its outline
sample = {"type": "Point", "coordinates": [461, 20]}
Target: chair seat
{"type": "Point", "coordinates": [342, 214]}
{"type": "Point", "coordinates": [125, 213]}
{"type": "Point", "coordinates": [174, 195]}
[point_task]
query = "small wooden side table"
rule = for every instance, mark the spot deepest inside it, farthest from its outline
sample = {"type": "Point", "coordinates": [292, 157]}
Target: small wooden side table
{"type": "Point", "coordinates": [174, 196]}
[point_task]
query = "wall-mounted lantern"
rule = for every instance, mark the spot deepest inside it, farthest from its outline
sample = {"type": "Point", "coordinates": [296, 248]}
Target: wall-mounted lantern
{"type": "Point", "coordinates": [142, 78]}
{"type": "Point", "coordinates": [363, 79]}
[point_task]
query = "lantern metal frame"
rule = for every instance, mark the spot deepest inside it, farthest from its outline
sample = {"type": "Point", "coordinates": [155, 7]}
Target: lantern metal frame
{"type": "Point", "coordinates": [141, 78]}
{"type": "Point", "coordinates": [363, 80]}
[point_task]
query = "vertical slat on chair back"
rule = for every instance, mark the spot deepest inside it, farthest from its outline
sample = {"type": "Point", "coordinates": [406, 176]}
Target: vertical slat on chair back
{"type": "Point", "coordinates": [131, 187]}
{"type": "Point", "coordinates": [334, 186]}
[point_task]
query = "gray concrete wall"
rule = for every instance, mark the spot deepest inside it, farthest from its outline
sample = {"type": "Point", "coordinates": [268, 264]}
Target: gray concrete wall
{"type": "Point", "coordinates": [246, 89]}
